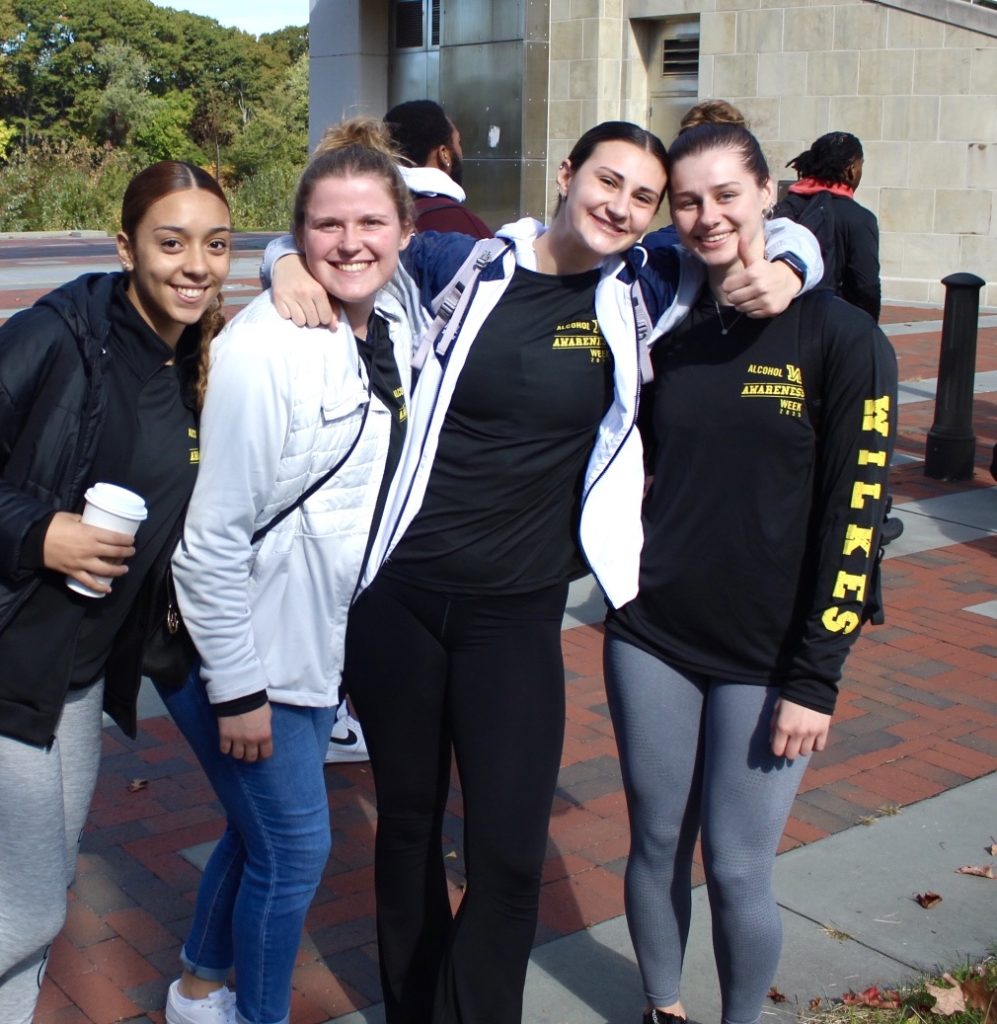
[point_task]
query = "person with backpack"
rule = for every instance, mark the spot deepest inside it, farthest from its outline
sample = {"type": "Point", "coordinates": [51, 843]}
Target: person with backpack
{"type": "Point", "coordinates": [772, 441]}
{"type": "Point", "coordinates": [823, 200]}
{"type": "Point", "coordinates": [301, 431]}
{"type": "Point", "coordinates": [430, 142]}
{"type": "Point", "coordinates": [522, 469]}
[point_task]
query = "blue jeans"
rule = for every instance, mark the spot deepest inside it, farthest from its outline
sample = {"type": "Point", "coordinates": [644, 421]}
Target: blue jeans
{"type": "Point", "coordinates": [261, 878]}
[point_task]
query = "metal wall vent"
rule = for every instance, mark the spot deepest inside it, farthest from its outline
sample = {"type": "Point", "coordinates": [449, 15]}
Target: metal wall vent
{"type": "Point", "coordinates": [680, 57]}
{"type": "Point", "coordinates": [408, 24]}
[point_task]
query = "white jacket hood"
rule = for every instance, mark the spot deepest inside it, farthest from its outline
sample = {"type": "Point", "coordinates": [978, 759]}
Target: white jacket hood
{"type": "Point", "coordinates": [431, 181]}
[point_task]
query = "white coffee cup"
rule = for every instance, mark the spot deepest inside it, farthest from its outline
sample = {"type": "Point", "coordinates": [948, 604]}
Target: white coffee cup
{"type": "Point", "coordinates": [111, 508]}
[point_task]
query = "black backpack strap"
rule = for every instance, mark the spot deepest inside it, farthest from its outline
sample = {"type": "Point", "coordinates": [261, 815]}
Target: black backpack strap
{"type": "Point", "coordinates": [810, 330]}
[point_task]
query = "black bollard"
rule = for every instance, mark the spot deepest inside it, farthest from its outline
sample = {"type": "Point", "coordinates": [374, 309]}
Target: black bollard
{"type": "Point", "coordinates": [951, 447]}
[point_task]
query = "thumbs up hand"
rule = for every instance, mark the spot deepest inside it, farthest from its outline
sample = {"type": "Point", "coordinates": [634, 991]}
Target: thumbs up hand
{"type": "Point", "coordinates": [760, 288]}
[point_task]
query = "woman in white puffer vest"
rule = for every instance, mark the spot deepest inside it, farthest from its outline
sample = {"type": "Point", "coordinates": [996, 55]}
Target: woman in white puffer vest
{"type": "Point", "coordinates": [289, 413]}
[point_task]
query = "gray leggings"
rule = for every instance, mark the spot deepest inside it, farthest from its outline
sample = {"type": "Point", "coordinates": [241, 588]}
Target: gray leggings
{"type": "Point", "coordinates": [44, 799]}
{"type": "Point", "coordinates": [695, 755]}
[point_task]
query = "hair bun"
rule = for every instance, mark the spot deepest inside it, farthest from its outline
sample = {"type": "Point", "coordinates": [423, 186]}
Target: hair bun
{"type": "Point", "coordinates": [366, 132]}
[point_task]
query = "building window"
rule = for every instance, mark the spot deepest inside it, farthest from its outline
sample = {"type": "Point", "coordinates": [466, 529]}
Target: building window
{"type": "Point", "coordinates": [415, 22]}
{"type": "Point", "coordinates": [408, 24]}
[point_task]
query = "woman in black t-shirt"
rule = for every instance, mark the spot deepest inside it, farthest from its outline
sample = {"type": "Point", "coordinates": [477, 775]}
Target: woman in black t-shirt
{"type": "Point", "coordinates": [771, 443]}
{"type": "Point", "coordinates": [96, 383]}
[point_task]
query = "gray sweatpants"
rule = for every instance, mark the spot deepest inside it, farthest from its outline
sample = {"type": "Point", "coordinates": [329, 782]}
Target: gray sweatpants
{"type": "Point", "coordinates": [44, 799]}
{"type": "Point", "coordinates": [695, 754]}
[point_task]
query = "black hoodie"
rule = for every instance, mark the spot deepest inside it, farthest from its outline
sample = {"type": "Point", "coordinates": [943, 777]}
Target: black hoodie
{"type": "Point", "coordinates": [57, 422]}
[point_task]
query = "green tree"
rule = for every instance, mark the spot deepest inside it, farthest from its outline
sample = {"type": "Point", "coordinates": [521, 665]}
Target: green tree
{"type": "Point", "coordinates": [124, 102]}
{"type": "Point", "coordinates": [288, 45]}
{"type": "Point", "coordinates": [283, 120]}
{"type": "Point", "coordinates": [164, 131]}
{"type": "Point", "coordinates": [92, 88]}
{"type": "Point", "coordinates": [6, 136]}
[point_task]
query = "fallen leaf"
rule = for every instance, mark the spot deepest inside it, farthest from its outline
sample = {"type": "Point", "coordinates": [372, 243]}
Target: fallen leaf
{"type": "Point", "coordinates": [992, 849]}
{"type": "Point", "coordinates": [836, 933]}
{"type": "Point", "coordinates": [136, 784]}
{"type": "Point", "coordinates": [888, 999]}
{"type": "Point", "coordinates": [776, 996]}
{"type": "Point", "coordinates": [452, 855]}
{"type": "Point", "coordinates": [947, 1000]}
{"type": "Point", "coordinates": [815, 1004]}
{"type": "Point", "coordinates": [984, 872]}
{"type": "Point", "coordinates": [927, 899]}
{"type": "Point", "coordinates": [979, 997]}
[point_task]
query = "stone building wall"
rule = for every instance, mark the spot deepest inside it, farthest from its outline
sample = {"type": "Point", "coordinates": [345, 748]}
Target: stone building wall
{"type": "Point", "coordinates": [920, 93]}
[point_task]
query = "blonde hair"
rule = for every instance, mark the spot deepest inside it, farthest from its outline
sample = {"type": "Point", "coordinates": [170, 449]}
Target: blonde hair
{"type": "Point", "coordinates": [358, 146]}
{"type": "Point", "coordinates": [712, 112]}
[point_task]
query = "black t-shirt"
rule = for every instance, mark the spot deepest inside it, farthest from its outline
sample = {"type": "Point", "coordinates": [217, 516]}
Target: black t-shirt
{"type": "Point", "coordinates": [159, 462]}
{"type": "Point", "coordinates": [757, 537]}
{"type": "Point", "coordinates": [502, 504]}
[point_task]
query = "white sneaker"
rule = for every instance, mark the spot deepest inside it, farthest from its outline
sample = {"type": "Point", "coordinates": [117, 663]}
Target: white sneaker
{"type": "Point", "coordinates": [218, 1008]}
{"type": "Point", "coordinates": [346, 744]}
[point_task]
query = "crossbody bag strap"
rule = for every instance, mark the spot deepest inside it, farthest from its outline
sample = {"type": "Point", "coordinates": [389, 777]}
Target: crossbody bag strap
{"type": "Point", "coordinates": [321, 482]}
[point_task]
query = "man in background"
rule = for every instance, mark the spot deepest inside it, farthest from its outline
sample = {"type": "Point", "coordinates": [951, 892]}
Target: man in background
{"type": "Point", "coordinates": [427, 137]}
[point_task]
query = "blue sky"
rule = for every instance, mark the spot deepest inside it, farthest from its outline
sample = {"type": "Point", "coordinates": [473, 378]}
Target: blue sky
{"type": "Point", "coordinates": [255, 16]}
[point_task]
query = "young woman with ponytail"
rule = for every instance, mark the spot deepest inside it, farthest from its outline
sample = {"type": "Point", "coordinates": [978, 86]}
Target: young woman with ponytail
{"type": "Point", "coordinates": [288, 412]}
{"type": "Point", "coordinates": [771, 448]}
{"type": "Point", "coordinates": [94, 387]}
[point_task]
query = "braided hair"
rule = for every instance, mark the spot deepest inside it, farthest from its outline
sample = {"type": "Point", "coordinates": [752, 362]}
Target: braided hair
{"type": "Point", "coordinates": [829, 158]}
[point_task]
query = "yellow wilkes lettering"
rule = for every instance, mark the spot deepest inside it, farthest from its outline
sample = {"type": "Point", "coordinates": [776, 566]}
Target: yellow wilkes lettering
{"type": "Point", "coordinates": [857, 550]}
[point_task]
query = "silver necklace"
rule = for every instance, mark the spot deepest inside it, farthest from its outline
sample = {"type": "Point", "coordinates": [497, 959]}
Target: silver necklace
{"type": "Point", "coordinates": [724, 329]}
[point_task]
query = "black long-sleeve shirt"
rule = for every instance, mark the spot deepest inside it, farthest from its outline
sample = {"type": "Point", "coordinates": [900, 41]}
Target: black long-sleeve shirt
{"type": "Point", "coordinates": [772, 447]}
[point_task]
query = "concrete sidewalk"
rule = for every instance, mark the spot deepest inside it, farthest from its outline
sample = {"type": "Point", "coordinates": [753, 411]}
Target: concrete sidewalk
{"type": "Point", "coordinates": [848, 911]}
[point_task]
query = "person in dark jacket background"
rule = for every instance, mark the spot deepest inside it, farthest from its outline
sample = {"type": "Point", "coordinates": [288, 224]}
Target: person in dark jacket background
{"type": "Point", "coordinates": [833, 165]}
{"type": "Point", "coordinates": [93, 388]}
{"type": "Point", "coordinates": [427, 137]}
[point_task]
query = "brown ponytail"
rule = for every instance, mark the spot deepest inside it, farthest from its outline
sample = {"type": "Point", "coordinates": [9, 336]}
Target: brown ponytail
{"type": "Point", "coordinates": [211, 324]}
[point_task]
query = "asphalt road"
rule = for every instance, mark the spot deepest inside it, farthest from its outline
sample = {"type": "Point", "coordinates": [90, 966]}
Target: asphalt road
{"type": "Point", "coordinates": [67, 247]}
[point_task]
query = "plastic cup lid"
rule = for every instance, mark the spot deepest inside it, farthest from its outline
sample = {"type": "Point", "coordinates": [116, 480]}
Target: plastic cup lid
{"type": "Point", "coordinates": [119, 501]}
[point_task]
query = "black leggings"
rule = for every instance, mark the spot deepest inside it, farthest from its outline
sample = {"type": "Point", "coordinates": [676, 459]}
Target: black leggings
{"type": "Point", "coordinates": [485, 678]}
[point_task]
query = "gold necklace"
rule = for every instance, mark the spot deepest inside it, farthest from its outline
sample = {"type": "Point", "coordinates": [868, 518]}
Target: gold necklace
{"type": "Point", "coordinates": [724, 329]}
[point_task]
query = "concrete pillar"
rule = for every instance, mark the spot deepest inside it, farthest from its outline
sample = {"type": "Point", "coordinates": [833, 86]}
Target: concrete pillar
{"type": "Point", "coordinates": [348, 61]}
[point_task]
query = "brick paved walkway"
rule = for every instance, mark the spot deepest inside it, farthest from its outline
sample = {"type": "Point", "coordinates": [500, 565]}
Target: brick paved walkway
{"type": "Point", "coordinates": [918, 715]}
